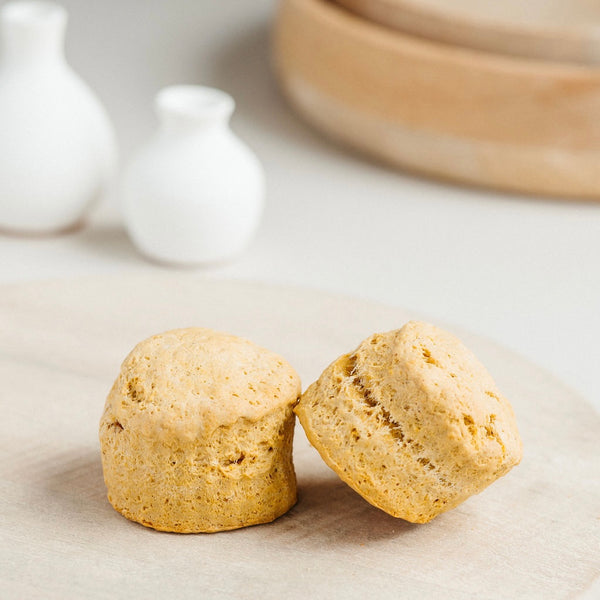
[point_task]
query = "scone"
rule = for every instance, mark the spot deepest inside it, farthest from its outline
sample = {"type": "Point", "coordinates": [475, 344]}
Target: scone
{"type": "Point", "coordinates": [412, 421]}
{"type": "Point", "coordinates": [197, 432]}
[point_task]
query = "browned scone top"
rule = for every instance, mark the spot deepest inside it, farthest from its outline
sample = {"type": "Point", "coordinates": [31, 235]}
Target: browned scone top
{"type": "Point", "coordinates": [412, 421]}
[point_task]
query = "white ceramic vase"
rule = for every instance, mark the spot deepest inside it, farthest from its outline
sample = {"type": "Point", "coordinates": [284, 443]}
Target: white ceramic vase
{"type": "Point", "coordinates": [194, 194]}
{"type": "Point", "coordinates": [57, 147]}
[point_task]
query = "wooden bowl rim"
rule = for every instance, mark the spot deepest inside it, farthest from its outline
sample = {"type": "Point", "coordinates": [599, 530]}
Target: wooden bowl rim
{"type": "Point", "coordinates": [531, 31]}
{"type": "Point", "coordinates": [390, 39]}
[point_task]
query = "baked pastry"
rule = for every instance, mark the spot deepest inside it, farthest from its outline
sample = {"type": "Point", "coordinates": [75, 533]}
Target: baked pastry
{"type": "Point", "coordinates": [412, 421]}
{"type": "Point", "coordinates": [197, 433]}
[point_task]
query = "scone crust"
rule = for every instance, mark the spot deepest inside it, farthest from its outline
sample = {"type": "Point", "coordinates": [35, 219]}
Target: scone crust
{"type": "Point", "coordinates": [412, 421]}
{"type": "Point", "coordinates": [197, 433]}
{"type": "Point", "coordinates": [187, 382]}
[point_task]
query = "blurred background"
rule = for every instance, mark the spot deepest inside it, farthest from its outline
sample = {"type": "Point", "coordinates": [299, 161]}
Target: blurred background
{"type": "Point", "coordinates": [521, 270]}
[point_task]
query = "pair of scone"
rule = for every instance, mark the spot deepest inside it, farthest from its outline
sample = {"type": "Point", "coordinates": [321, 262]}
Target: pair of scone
{"type": "Point", "coordinates": [197, 430]}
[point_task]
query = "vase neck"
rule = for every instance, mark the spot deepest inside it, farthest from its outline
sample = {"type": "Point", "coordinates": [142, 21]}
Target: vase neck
{"type": "Point", "coordinates": [32, 31]}
{"type": "Point", "coordinates": [190, 108]}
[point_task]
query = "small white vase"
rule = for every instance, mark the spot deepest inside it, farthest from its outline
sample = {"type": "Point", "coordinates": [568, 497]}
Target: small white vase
{"type": "Point", "coordinates": [57, 146]}
{"type": "Point", "coordinates": [194, 194]}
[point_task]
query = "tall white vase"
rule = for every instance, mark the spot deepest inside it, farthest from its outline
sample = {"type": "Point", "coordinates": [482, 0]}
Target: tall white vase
{"type": "Point", "coordinates": [194, 193]}
{"type": "Point", "coordinates": [57, 146]}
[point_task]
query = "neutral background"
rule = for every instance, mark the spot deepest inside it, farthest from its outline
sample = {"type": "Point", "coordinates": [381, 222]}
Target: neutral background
{"type": "Point", "coordinates": [523, 271]}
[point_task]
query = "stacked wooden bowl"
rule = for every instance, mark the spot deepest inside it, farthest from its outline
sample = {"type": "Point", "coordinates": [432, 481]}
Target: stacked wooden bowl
{"type": "Point", "coordinates": [501, 94]}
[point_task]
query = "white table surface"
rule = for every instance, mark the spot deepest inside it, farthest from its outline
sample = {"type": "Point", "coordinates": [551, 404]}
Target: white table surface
{"type": "Point", "coordinates": [522, 271]}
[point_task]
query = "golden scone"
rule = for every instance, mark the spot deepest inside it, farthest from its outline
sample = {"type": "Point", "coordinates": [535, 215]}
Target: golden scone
{"type": "Point", "coordinates": [412, 421]}
{"type": "Point", "coordinates": [197, 433]}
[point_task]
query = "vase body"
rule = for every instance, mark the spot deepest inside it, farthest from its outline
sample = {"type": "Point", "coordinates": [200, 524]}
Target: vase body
{"type": "Point", "coordinates": [194, 194]}
{"type": "Point", "coordinates": [57, 146]}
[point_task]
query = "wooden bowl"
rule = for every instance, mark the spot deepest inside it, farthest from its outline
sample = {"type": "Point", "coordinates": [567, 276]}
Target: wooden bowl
{"type": "Point", "coordinates": [511, 123]}
{"type": "Point", "coordinates": [559, 30]}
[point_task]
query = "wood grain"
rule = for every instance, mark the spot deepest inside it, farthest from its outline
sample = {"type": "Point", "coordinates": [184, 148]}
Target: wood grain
{"type": "Point", "coordinates": [515, 124]}
{"type": "Point", "coordinates": [534, 533]}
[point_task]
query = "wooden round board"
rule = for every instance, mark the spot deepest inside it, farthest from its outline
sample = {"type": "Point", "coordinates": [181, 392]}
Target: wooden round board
{"type": "Point", "coordinates": [559, 30]}
{"type": "Point", "coordinates": [510, 123]}
{"type": "Point", "coordinates": [533, 533]}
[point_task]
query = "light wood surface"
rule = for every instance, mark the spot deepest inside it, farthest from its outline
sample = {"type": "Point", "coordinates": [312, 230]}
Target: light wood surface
{"type": "Point", "coordinates": [533, 533]}
{"type": "Point", "coordinates": [566, 30]}
{"type": "Point", "coordinates": [514, 124]}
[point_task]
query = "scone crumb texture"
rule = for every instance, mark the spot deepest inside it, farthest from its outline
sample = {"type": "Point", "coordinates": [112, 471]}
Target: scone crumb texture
{"type": "Point", "coordinates": [197, 433]}
{"type": "Point", "coordinates": [412, 421]}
